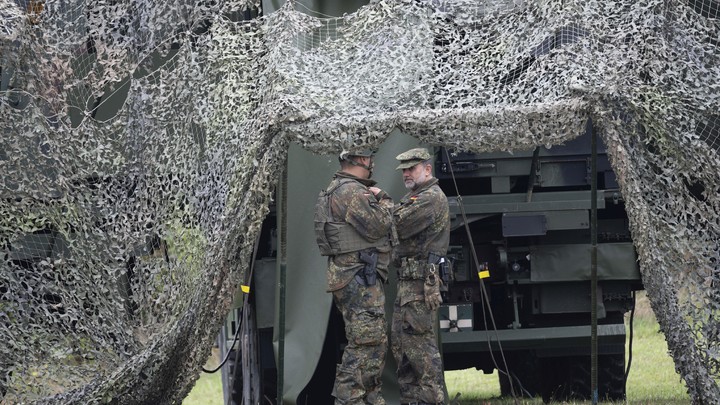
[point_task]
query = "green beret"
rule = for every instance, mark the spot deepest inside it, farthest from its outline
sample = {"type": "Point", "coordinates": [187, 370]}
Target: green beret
{"type": "Point", "coordinates": [412, 157]}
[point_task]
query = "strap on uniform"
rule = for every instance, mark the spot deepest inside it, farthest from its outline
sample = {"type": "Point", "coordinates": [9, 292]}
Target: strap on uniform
{"type": "Point", "coordinates": [342, 181]}
{"type": "Point", "coordinates": [364, 166]}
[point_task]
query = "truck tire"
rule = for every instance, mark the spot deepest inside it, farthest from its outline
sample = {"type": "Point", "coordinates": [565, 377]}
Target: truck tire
{"type": "Point", "coordinates": [572, 378]}
{"type": "Point", "coordinates": [524, 367]}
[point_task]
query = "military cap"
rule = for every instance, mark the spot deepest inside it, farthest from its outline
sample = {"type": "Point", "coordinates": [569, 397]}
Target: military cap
{"type": "Point", "coordinates": [412, 157]}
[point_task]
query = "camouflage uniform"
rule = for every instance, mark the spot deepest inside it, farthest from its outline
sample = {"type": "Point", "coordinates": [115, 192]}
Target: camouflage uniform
{"type": "Point", "coordinates": [423, 227]}
{"type": "Point", "coordinates": [358, 378]}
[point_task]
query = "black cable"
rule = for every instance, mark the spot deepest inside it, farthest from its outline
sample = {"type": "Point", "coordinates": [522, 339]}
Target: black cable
{"type": "Point", "coordinates": [632, 315]}
{"type": "Point", "coordinates": [227, 354]}
{"type": "Point", "coordinates": [485, 296]}
{"type": "Point", "coordinates": [245, 304]}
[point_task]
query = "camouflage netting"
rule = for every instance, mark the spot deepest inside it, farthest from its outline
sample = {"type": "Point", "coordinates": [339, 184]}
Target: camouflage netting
{"type": "Point", "coordinates": [141, 142]}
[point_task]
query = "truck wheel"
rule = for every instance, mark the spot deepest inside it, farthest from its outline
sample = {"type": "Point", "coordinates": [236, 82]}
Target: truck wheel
{"type": "Point", "coordinates": [572, 381]}
{"type": "Point", "coordinates": [524, 369]}
{"type": "Point", "coordinates": [611, 377]}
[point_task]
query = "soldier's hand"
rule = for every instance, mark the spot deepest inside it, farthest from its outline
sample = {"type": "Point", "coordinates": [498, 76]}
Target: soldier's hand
{"type": "Point", "coordinates": [431, 288]}
{"type": "Point", "coordinates": [379, 194]}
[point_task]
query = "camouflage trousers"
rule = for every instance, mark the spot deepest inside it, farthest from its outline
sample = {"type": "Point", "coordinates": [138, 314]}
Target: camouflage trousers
{"type": "Point", "coordinates": [358, 378]}
{"type": "Point", "coordinates": [414, 346]}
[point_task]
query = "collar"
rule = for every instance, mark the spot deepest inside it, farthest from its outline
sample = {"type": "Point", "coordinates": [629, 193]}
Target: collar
{"type": "Point", "coordinates": [424, 186]}
{"type": "Point", "coordinates": [364, 182]}
{"type": "Point", "coordinates": [421, 188]}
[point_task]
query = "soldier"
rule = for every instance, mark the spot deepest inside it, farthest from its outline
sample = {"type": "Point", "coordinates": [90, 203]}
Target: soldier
{"type": "Point", "coordinates": [423, 229]}
{"type": "Point", "coordinates": [353, 221]}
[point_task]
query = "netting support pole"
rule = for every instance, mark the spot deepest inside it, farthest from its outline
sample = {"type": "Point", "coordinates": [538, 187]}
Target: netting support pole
{"type": "Point", "coordinates": [282, 225]}
{"type": "Point", "coordinates": [593, 264]}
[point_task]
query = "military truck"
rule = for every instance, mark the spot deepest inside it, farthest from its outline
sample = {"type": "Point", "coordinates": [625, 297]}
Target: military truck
{"type": "Point", "coordinates": [527, 217]}
{"type": "Point", "coordinates": [518, 299]}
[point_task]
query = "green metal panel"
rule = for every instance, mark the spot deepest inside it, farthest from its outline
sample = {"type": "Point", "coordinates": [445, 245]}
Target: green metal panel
{"type": "Point", "coordinates": [307, 304]}
{"type": "Point", "coordinates": [552, 220]}
{"type": "Point", "coordinates": [533, 338]}
{"type": "Point", "coordinates": [264, 277]}
{"type": "Point", "coordinates": [556, 263]}
{"type": "Point", "coordinates": [555, 201]}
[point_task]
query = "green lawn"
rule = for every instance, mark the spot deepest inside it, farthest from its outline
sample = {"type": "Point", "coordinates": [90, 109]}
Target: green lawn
{"type": "Point", "coordinates": [652, 377]}
{"type": "Point", "coordinates": [208, 388]}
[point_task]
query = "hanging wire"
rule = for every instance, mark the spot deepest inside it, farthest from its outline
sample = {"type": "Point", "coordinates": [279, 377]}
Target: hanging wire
{"type": "Point", "coordinates": [630, 341]}
{"type": "Point", "coordinates": [245, 304]}
{"type": "Point", "coordinates": [486, 299]}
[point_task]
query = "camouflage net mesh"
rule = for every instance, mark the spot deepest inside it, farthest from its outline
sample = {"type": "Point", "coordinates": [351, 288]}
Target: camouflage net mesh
{"type": "Point", "coordinates": [123, 234]}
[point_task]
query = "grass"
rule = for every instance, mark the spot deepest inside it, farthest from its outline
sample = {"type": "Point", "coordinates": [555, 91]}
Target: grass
{"type": "Point", "coordinates": [208, 388]}
{"type": "Point", "coordinates": [652, 379]}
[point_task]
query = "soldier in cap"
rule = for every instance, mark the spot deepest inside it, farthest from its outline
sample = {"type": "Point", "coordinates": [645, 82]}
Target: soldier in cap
{"type": "Point", "coordinates": [422, 222]}
{"type": "Point", "coordinates": [353, 221]}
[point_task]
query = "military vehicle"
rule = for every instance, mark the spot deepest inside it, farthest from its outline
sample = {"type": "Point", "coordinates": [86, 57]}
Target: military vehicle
{"type": "Point", "coordinates": [527, 216]}
{"type": "Point", "coordinates": [521, 223]}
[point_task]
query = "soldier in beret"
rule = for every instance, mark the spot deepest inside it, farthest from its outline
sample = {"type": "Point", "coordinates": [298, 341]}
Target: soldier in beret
{"type": "Point", "coordinates": [353, 221]}
{"type": "Point", "coordinates": [422, 221]}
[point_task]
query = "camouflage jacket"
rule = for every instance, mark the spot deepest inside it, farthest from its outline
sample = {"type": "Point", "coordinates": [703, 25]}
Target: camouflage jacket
{"type": "Point", "coordinates": [422, 220]}
{"type": "Point", "coordinates": [353, 203]}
